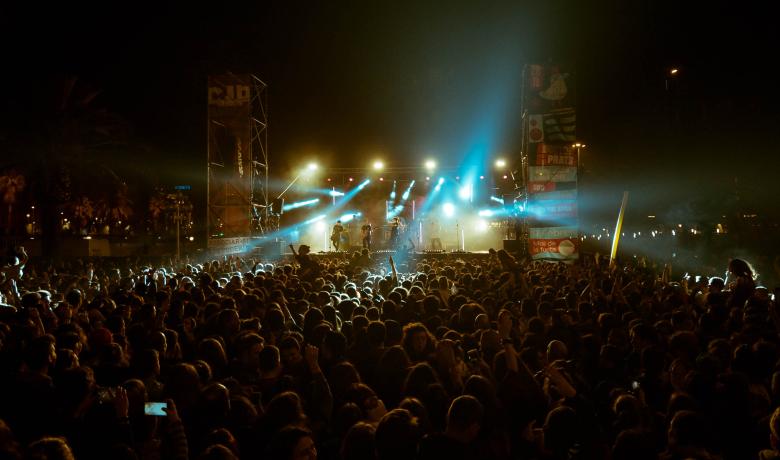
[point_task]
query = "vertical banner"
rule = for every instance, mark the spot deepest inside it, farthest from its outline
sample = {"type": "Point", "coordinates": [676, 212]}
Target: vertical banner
{"type": "Point", "coordinates": [553, 163]}
{"type": "Point", "coordinates": [229, 155]}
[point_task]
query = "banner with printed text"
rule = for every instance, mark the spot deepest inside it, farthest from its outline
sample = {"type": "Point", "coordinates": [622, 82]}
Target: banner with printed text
{"type": "Point", "coordinates": [556, 243]}
{"type": "Point", "coordinates": [550, 144]}
{"type": "Point", "coordinates": [229, 144]}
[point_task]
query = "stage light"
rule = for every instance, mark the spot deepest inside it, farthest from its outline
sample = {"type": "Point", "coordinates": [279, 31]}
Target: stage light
{"type": "Point", "coordinates": [381, 179]}
{"type": "Point", "coordinates": [315, 219]}
{"type": "Point", "coordinates": [448, 209]}
{"type": "Point", "coordinates": [405, 196]}
{"type": "Point", "coordinates": [320, 226]}
{"type": "Point", "coordinates": [485, 213]}
{"type": "Point", "coordinates": [439, 184]}
{"type": "Point", "coordinates": [392, 193]}
{"type": "Point", "coordinates": [430, 165]}
{"type": "Point", "coordinates": [673, 71]}
{"type": "Point", "coordinates": [466, 192]}
{"type": "Point", "coordinates": [351, 179]}
{"type": "Point", "coordinates": [335, 193]}
{"type": "Point", "coordinates": [497, 199]}
{"type": "Point", "coordinates": [363, 184]}
{"type": "Point", "coordinates": [312, 166]}
{"type": "Point", "coordinates": [192, 238]}
{"type": "Point", "coordinates": [300, 204]}
{"type": "Point", "coordinates": [500, 163]}
{"type": "Point", "coordinates": [482, 226]}
{"type": "Point", "coordinates": [427, 178]}
{"type": "Point", "coordinates": [378, 165]}
{"type": "Point", "coordinates": [349, 216]}
{"type": "Point", "coordinates": [505, 176]}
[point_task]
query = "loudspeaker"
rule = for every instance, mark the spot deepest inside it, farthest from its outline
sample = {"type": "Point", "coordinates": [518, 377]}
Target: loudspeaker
{"type": "Point", "coordinates": [513, 245]}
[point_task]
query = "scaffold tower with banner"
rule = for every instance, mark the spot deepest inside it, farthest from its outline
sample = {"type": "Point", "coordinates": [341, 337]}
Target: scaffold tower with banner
{"type": "Point", "coordinates": [550, 161]}
{"type": "Point", "coordinates": [237, 197]}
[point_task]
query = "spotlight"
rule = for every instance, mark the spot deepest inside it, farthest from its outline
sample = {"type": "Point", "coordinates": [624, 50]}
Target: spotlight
{"type": "Point", "coordinates": [465, 192]}
{"type": "Point", "coordinates": [312, 166]}
{"type": "Point", "coordinates": [320, 226]}
{"type": "Point", "coordinates": [405, 196]}
{"type": "Point", "coordinates": [430, 165]}
{"type": "Point", "coordinates": [439, 184]}
{"type": "Point", "coordinates": [485, 213]}
{"type": "Point", "coordinates": [482, 226]}
{"type": "Point", "coordinates": [351, 179]}
{"type": "Point", "coordinates": [300, 204]}
{"type": "Point", "coordinates": [500, 163]}
{"type": "Point", "coordinates": [349, 216]}
{"type": "Point", "coordinates": [378, 165]}
{"type": "Point", "coordinates": [448, 209]}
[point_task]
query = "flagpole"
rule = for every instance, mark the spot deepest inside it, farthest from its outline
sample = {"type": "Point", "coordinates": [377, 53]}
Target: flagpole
{"type": "Point", "coordinates": [618, 228]}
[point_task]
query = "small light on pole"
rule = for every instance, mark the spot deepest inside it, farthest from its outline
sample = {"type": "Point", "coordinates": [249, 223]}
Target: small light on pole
{"type": "Point", "coordinates": [500, 163]}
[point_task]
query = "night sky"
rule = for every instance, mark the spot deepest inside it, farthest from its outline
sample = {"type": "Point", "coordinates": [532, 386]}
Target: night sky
{"type": "Point", "coordinates": [402, 80]}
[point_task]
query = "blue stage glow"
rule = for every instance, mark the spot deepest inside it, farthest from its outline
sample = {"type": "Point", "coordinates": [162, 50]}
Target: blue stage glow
{"type": "Point", "coordinates": [392, 194]}
{"type": "Point", "coordinates": [448, 209]}
{"type": "Point", "coordinates": [405, 196]}
{"type": "Point", "coordinates": [335, 193]}
{"type": "Point", "coordinates": [485, 213]}
{"type": "Point", "coordinates": [349, 216]}
{"type": "Point", "coordinates": [497, 199]}
{"type": "Point", "coordinates": [314, 219]}
{"type": "Point", "coordinates": [300, 204]}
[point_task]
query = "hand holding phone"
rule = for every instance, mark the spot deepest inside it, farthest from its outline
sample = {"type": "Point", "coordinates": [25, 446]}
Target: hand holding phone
{"type": "Point", "coordinates": [156, 409]}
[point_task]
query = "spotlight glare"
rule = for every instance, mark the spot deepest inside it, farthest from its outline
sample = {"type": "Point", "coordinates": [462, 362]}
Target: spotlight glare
{"type": "Point", "coordinates": [482, 226]}
{"type": "Point", "coordinates": [448, 209]}
{"type": "Point", "coordinates": [378, 165]}
{"type": "Point", "coordinates": [485, 213]}
{"type": "Point", "coordinates": [430, 165]}
{"type": "Point", "coordinates": [320, 226]}
{"type": "Point", "coordinates": [311, 166]}
{"type": "Point", "coordinates": [465, 192]}
{"type": "Point", "coordinates": [500, 163]}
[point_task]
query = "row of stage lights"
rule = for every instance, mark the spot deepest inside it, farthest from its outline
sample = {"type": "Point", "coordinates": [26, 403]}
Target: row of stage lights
{"type": "Point", "coordinates": [379, 165]}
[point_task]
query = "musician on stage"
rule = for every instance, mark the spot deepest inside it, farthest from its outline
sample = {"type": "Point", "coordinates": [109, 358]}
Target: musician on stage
{"type": "Point", "coordinates": [365, 233]}
{"type": "Point", "coordinates": [395, 231]}
{"type": "Point", "coordinates": [335, 235]}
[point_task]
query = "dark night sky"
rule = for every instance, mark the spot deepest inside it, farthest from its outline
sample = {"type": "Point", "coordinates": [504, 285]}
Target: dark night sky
{"type": "Point", "coordinates": [351, 79]}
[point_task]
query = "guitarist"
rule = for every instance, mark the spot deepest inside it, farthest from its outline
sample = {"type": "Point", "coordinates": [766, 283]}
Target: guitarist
{"type": "Point", "coordinates": [335, 235]}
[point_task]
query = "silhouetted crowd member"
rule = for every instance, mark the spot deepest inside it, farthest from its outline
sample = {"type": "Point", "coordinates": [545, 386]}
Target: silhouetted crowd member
{"type": "Point", "coordinates": [339, 357]}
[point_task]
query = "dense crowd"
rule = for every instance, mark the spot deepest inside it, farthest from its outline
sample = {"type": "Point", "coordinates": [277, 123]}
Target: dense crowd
{"type": "Point", "coordinates": [353, 357]}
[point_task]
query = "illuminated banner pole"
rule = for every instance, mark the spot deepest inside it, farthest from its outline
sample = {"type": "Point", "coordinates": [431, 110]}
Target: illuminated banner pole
{"type": "Point", "coordinates": [618, 227]}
